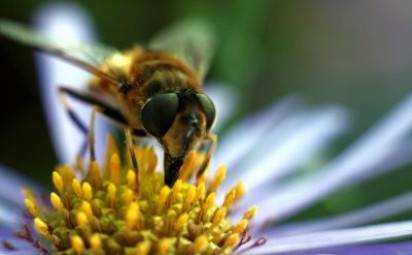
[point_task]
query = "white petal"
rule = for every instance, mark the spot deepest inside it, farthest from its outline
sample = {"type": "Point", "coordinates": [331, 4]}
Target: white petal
{"type": "Point", "coordinates": [292, 145]}
{"type": "Point", "coordinates": [9, 217]}
{"type": "Point", "coordinates": [379, 211]}
{"type": "Point", "coordinates": [242, 138]}
{"type": "Point", "coordinates": [11, 197]}
{"type": "Point", "coordinates": [335, 238]}
{"type": "Point", "coordinates": [28, 251]}
{"type": "Point", "coordinates": [225, 99]}
{"type": "Point", "coordinates": [70, 23]}
{"type": "Point", "coordinates": [11, 185]}
{"type": "Point", "coordinates": [368, 157]}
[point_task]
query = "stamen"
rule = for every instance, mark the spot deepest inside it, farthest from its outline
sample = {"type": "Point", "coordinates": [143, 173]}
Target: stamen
{"type": "Point", "coordinates": [93, 176]}
{"type": "Point", "coordinates": [218, 179]}
{"type": "Point", "coordinates": [57, 181]}
{"type": "Point", "coordinates": [190, 197]}
{"type": "Point", "coordinates": [41, 227]}
{"type": "Point", "coordinates": [230, 198]}
{"type": "Point", "coordinates": [175, 192]}
{"type": "Point", "coordinates": [31, 207]}
{"type": "Point", "coordinates": [241, 226]}
{"type": "Point", "coordinates": [115, 169]}
{"type": "Point", "coordinates": [111, 194]}
{"type": "Point", "coordinates": [240, 191]}
{"type": "Point", "coordinates": [181, 222]}
{"type": "Point", "coordinates": [86, 208]}
{"type": "Point", "coordinates": [87, 191]}
{"type": "Point", "coordinates": [131, 179]}
{"type": "Point", "coordinates": [188, 166]}
{"type": "Point", "coordinates": [231, 241]}
{"type": "Point", "coordinates": [143, 248]}
{"type": "Point", "coordinates": [76, 186]}
{"type": "Point", "coordinates": [220, 214]}
{"type": "Point", "coordinates": [56, 201]}
{"type": "Point", "coordinates": [81, 219]}
{"type": "Point", "coordinates": [96, 243]}
{"type": "Point", "coordinates": [250, 213]}
{"type": "Point", "coordinates": [128, 196]}
{"type": "Point", "coordinates": [111, 148]}
{"type": "Point", "coordinates": [77, 244]}
{"type": "Point", "coordinates": [132, 215]}
{"type": "Point", "coordinates": [200, 244]}
{"type": "Point", "coordinates": [200, 192]}
{"type": "Point", "coordinates": [164, 246]}
{"type": "Point", "coordinates": [112, 213]}
{"type": "Point", "coordinates": [164, 194]}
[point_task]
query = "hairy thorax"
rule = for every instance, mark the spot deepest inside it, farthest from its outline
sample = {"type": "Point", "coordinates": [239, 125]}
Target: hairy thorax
{"type": "Point", "coordinates": [145, 73]}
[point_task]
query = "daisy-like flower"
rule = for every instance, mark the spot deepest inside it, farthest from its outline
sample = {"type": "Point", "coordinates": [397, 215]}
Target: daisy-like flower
{"type": "Point", "coordinates": [119, 204]}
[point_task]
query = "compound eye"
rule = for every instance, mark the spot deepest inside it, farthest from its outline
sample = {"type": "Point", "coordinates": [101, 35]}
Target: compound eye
{"type": "Point", "coordinates": [208, 108]}
{"type": "Point", "coordinates": [159, 112]}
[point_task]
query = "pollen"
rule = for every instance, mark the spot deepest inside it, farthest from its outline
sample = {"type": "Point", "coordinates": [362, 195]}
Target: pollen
{"type": "Point", "coordinates": [123, 208]}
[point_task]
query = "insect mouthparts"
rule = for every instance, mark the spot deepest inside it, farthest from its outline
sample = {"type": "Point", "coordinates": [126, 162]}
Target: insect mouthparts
{"type": "Point", "coordinates": [171, 173]}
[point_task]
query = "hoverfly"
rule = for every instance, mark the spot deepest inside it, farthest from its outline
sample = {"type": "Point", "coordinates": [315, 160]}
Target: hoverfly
{"type": "Point", "coordinates": [153, 91]}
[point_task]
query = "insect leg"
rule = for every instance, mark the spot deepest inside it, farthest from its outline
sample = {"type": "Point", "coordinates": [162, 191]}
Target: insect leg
{"type": "Point", "coordinates": [210, 141]}
{"type": "Point", "coordinates": [105, 109]}
{"type": "Point", "coordinates": [100, 107]}
{"type": "Point", "coordinates": [76, 120]}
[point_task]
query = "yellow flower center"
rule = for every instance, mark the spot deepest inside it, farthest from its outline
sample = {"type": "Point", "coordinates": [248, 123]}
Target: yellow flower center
{"type": "Point", "coordinates": [119, 209]}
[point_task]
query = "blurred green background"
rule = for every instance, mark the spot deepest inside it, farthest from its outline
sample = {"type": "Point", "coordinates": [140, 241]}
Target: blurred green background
{"type": "Point", "coordinates": [354, 53]}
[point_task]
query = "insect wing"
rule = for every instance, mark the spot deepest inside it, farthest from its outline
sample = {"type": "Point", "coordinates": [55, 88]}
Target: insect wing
{"type": "Point", "coordinates": [191, 40]}
{"type": "Point", "coordinates": [87, 57]}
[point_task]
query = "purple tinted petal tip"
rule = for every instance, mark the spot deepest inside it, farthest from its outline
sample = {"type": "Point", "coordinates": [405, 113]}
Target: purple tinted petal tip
{"type": "Point", "coordinates": [400, 248]}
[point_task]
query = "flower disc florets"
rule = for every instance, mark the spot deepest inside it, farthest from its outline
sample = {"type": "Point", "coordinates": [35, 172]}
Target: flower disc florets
{"type": "Point", "coordinates": [118, 209]}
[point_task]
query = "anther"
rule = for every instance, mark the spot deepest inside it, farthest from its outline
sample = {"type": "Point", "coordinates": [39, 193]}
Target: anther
{"type": "Point", "coordinates": [219, 215]}
{"type": "Point", "coordinates": [41, 227]}
{"type": "Point", "coordinates": [143, 248]}
{"type": "Point", "coordinates": [57, 181]}
{"type": "Point", "coordinates": [131, 179]}
{"type": "Point", "coordinates": [200, 244]}
{"type": "Point", "coordinates": [181, 222]}
{"type": "Point", "coordinates": [93, 176]}
{"type": "Point", "coordinates": [115, 169]}
{"type": "Point", "coordinates": [76, 186]}
{"type": "Point", "coordinates": [86, 208]}
{"type": "Point", "coordinates": [95, 243]}
{"type": "Point", "coordinates": [132, 215]}
{"type": "Point", "coordinates": [81, 219]}
{"type": "Point", "coordinates": [77, 244]}
{"type": "Point", "coordinates": [231, 240]}
{"type": "Point", "coordinates": [250, 213]}
{"type": "Point", "coordinates": [218, 179]}
{"type": "Point", "coordinates": [31, 207]}
{"type": "Point", "coordinates": [87, 191]}
{"type": "Point", "coordinates": [56, 201]}
{"type": "Point", "coordinates": [164, 246]}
